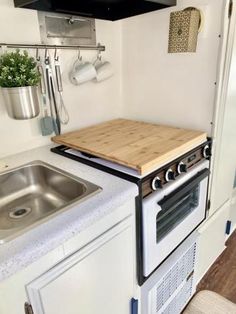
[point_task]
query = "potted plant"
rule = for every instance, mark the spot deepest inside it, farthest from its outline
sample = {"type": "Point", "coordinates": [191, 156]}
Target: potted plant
{"type": "Point", "coordinates": [19, 78]}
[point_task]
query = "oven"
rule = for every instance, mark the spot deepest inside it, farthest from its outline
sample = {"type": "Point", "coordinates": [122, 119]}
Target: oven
{"type": "Point", "coordinates": [170, 205]}
{"type": "Point", "coordinates": [171, 213]}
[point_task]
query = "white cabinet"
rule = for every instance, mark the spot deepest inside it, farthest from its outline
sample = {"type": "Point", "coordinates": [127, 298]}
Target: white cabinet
{"type": "Point", "coordinates": [92, 272]}
{"type": "Point", "coordinates": [224, 148]}
{"type": "Point", "coordinates": [99, 278]}
{"type": "Point", "coordinates": [211, 241]}
{"type": "Point", "coordinates": [213, 231]}
{"type": "Point", "coordinates": [12, 290]}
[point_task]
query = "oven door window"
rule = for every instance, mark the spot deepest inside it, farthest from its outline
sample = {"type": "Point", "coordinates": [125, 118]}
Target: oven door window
{"type": "Point", "coordinates": [178, 205]}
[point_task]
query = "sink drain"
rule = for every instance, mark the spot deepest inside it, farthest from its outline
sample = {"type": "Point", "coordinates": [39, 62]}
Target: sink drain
{"type": "Point", "coordinates": [17, 213]}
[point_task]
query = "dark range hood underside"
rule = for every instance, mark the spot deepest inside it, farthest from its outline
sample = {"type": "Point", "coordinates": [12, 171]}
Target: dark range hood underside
{"type": "Point", "coordinates": [101, 9]}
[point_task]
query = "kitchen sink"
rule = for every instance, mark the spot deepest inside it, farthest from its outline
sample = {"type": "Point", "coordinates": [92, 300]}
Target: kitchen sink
{"type": "Point", "coordinates": [34, 193]}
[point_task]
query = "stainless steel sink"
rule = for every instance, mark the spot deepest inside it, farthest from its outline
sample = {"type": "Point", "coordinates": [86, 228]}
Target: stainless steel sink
{"type": "Point", "coordinates": [35, 192]}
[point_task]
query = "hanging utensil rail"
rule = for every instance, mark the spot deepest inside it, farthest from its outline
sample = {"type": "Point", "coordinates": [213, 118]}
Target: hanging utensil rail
{"type": "Point", "coordinates": [41, 46]}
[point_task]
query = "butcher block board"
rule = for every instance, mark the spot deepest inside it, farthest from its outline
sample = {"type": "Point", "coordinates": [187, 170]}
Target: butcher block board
{"type": "Point", "coordinates": [138, 145]}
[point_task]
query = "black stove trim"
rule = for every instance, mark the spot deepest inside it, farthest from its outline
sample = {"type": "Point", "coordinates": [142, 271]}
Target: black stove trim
{"type": "Point", "coordinates": [60, 150]}
{"type": "Point", "coordinates": [178, 159]}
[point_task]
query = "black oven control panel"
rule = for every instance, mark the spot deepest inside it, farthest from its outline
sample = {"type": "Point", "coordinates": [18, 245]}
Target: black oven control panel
{"type": "Point", "coordinates": [177, 167]}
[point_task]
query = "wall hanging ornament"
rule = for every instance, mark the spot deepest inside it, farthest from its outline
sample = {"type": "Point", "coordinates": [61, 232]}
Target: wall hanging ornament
{"type": "Point", "coordinates": [184, 28]}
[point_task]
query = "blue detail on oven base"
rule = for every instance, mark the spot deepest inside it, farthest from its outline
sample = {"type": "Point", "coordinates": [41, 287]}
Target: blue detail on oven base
{"type": "Point", "coordinates": [134, 306]}
{"type": "Point", "coordinates": [228, 227]}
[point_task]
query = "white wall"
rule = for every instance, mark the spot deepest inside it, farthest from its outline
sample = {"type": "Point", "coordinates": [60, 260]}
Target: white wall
{"type": "Point", "coordinates": [151, 85]}
{"type": "Point", "coordinates": [175, 89]}
{"type": "Point", "coordinates": [87, 104]}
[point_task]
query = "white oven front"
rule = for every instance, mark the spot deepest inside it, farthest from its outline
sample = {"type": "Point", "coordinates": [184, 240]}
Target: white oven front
{"type": "Point", "coordinates": [172, 213]}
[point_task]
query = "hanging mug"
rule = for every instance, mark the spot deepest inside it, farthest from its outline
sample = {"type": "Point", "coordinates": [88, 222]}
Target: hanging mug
{"type": "Point", "coordinates": [82, 72]}
{"type": "Point", "coordinates": [103, 68]}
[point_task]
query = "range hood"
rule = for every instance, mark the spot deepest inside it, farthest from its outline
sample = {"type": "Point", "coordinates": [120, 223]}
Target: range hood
{"type": "Point", "coordinates": [101, 9]}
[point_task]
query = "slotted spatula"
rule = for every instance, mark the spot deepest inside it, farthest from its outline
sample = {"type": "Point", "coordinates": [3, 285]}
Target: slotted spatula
{"type": "Point", "coordinates": [46, 122]}
{"type": "Point", "coordinates": [51, 97]}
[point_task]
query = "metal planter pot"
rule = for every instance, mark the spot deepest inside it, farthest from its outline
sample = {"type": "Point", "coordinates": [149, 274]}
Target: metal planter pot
{"type": "Point", "coordinates": [21, 102]}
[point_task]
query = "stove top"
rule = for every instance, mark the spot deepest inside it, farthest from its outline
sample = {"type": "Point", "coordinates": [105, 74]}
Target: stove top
{"type": "Point", "coordinates": [152, 180]}
{"type": "Point", "coordinates": [137, 145]}
{"type": "Point", "coordinates": [113, 165]}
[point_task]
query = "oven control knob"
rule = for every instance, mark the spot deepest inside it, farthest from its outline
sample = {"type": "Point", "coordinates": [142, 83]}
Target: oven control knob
{"type": "Point", "coordinates": [181, 168]}
{"type": "Point", "coordinates": [156, 183]}
{"type": "Point", "coordinates": [206, 152]}
{"type": "Point", "coordinates": [169, 175]}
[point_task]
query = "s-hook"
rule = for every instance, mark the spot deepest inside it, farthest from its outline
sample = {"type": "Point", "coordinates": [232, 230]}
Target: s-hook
{"type": "Point", "coordinates": [37, 54]}
{"type": "Point", "coordinates": [62, 110]}
{"type": "Point", "coordinates": [46, 56]}
{"type": "Point", "coordinates": [79, 55]}
{"type": "Point", "coordinates": [56, 57]}
{"type": "Point", "coordinates": [99, 55]}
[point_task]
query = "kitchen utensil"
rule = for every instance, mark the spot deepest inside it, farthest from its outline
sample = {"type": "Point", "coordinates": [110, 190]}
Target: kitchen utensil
{"type": "Point", "coordinates": [82, 72]}
{"type": "Point", "coordinates": [57, 118]}
{"type": "Point", "coordinates": [50, 94]}
{"type": "Point", "coordinates": [46, 122]}
{"type": "Point", "coordinates": [62, 110]}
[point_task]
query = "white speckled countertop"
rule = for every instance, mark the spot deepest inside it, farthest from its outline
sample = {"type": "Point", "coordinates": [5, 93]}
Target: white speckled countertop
{"type": "Point", "coordinates": [30, 246]}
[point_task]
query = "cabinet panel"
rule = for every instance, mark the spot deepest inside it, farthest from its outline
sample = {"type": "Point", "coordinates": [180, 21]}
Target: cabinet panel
{"type": "Point", "coordinates": [224, 163]}
{"type": "Point", "coordinates": [100, 227]}
{"type": "Point", "coordinates": [211, 242]}
{"type": "Point", "coordinates": [12, 290]}
{"type": "Point", "coordinates": [97, 279]}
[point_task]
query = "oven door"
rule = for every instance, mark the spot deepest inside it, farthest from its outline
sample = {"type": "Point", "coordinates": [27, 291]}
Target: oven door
{"type": "Point", "coordinates": [172, 213]}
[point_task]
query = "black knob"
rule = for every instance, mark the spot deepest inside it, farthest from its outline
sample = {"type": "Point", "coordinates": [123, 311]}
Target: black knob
{"type": "Point", "coordinates": [206, 152]}
{"type": "Point", "coordinates": [156, 183]}
{"type": "Point", "coordinates": [182, 167]}
{"type": "Point", "coordinates": [169, 175]}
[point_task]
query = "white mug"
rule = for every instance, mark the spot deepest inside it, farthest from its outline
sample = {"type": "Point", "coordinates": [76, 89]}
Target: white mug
{"type": "Point", "coordinates": [104, 70]}
{"type": "Point", "coordinates": [82, 72]}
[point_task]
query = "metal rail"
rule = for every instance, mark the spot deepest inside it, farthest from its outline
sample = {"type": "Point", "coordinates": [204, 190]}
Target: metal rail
{"type": "Point", "coordinates": [42, 46]}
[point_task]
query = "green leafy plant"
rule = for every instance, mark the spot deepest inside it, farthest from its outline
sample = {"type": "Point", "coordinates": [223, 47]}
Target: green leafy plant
{"type": "Point", "coordinates": [18, 70]}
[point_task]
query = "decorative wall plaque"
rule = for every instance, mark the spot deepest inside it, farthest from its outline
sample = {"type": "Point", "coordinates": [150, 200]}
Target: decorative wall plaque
{"type": "Point", "coordinates": [183, 32]}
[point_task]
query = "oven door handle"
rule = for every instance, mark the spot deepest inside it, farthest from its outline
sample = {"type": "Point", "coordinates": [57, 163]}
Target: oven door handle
{"type": "Point", "coordinates": [170, 199]}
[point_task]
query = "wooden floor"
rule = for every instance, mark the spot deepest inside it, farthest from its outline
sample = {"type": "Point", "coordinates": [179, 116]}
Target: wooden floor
{"type": "Point", "coordinates": [221, 277]}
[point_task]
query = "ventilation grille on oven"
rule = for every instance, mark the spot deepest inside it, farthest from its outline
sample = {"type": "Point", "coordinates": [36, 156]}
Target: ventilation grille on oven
{"type": "Point", "coordinates": [174, 279]}
{"type": "Point", "coordinates": [181, 299]}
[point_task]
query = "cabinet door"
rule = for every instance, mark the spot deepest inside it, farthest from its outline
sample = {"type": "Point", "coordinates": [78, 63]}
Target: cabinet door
{"type": "Point", "coordinates": [211, 242]}
{"type": "Point", "coordinates": [224, 164]}
{"type": "Point", "coordinates": [12, 290]}
{"type": "Point", "coordinates": [97, 279]}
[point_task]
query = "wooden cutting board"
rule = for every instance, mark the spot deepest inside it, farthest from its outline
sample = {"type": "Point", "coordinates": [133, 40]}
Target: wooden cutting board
{"type": "Point", "coordinates": [138, 145]}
